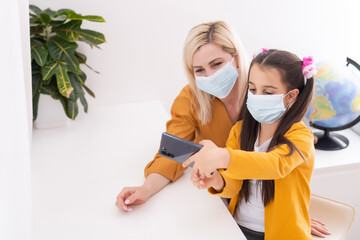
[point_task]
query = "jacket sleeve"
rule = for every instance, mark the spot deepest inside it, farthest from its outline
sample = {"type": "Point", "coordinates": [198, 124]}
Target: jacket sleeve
{"type": "Point", "coordinates": [232, 186]}
{"type": "Point", "coordinates": [182, 124]}
{"type": "Point", "coordinates": [274, 164]}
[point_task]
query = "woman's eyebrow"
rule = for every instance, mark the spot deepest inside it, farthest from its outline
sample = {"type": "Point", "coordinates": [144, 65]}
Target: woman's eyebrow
{"type": "Point", "coordinates": [209, 62]}
{"type": "Point", "coordinates": [214, 60]}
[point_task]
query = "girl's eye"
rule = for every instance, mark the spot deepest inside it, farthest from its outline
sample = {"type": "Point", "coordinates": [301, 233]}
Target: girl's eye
{"type": "Point", "coordinates": [268, 93]}
{"type": "Point", "coordinates": [252, 90]}
{"type": "Point", "coordinates": [199, 70]}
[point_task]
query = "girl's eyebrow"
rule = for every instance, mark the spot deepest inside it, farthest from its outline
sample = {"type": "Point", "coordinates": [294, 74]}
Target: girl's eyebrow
{"type": "Point", "coordinates": [266, 86]}
{"type": "Point", "coordinates": [209, 62]}
{"type": "Point", "coordinates": [270, 86]}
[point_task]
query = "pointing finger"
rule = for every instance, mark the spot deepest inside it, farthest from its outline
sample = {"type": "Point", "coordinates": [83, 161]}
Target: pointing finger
{"type": "Point", "coordinates": [188, 161]}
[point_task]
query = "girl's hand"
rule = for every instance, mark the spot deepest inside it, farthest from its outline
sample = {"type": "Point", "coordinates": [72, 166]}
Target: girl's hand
{"type": "Point", "coordinates": [215, 181]}
{"type": "Point", "coordinates": [209, 159]}
{"type": "Point", "coordinates": [318, 228]}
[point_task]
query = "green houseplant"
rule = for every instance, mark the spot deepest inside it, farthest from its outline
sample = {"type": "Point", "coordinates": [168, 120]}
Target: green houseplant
{"type": "Point", "coordinates": [55, 59]}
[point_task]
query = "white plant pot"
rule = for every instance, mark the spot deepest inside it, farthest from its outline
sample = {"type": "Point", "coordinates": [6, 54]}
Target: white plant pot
{"type": "Point", "coordinates": [50, 113]}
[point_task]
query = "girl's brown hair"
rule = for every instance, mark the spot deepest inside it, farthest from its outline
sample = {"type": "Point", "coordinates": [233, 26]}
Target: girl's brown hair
{"type": "Point", "coordinates": [290, 67]}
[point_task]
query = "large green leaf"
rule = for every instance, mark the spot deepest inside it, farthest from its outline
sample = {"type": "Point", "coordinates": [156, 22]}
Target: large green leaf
{"type": "Point", "coordinates": [84, 102]}
{"type": "Point", "coordinates": [36, 85]}
{"type": "Point", "coordinates": [78, 90]}
{"type": "Point", "coordinates": [81, 77]}
{"type": "Point", "coordinates": [45, 18]}
{"type": "Point", "coordinates": [54, 15]}
{"type": "Point", "coordinates": [38, 52]}
{"type": "Point", "coordinates": [75, 16]}
{"type": "Point", "coordinates": [60, 69]}
{"type": "Point", "coordinates": [52, 90]}
{"type": "Point", "coordinates": [73, 109]}
{"type": "Point", "coordinates": [47, 15]}
{"type": "Point", "coordinates": [34, 22]}
{"type": "Point", "coordinates": [48, 70]}
{"type": "Point", "coordinates": [60, 49]}
{"type": "Point", "coordinates": [82, 60]}
{"type": "Point", "coordinates": [71, 32]}
{"type": "Point", "coordinates": [94, 18]}
{"type": "Point", "coordinates": [63, 80]}
{"type": "Point", "coordinates": [80, 57]}
{"type": "Point", "coordinates": [88, 91]}
{"type": "Point", "coordinates": [35, 9]}
{"type": "Point", "coordinates": [91, 37]}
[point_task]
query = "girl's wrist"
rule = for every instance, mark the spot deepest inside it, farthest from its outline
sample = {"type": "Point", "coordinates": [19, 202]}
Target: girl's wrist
{"type": "Point", "coordinates": [224, 155]}
{"type": "Point", "coordinates": [219, 183]}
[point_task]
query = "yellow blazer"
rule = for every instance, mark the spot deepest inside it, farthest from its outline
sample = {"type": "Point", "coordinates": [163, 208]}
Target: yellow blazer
{"type": "Point", "coordinates": [184, 123]}
{"type": "Point", "coordinates": [286, 216]}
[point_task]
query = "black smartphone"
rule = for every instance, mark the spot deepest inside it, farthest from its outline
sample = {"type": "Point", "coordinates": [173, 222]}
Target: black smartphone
{"type": "Point", "coordinates": [177, 149]}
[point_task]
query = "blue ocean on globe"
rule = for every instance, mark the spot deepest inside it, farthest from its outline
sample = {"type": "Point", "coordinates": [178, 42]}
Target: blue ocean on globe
{"type": "Point", "coordinates": [336, 100]}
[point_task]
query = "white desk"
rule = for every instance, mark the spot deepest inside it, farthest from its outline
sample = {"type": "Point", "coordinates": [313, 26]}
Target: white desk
{"type": "Point", "coordinates": [77, 172]}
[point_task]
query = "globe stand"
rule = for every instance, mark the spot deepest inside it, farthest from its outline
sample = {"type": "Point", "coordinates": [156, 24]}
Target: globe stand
{"type": "Point", "coordinates": [330, 141]}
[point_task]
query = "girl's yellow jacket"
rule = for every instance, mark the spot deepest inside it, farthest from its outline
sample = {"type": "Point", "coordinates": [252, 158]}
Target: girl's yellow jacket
{"type": "Point", "coordinates": [286, 216]}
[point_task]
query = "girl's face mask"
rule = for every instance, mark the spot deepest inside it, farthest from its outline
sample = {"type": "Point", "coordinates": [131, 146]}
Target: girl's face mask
{"type": "Point", "coordinates": [266, 108]}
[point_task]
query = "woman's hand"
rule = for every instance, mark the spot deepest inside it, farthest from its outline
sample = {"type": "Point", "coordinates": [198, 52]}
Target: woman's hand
{"type": "Point", "coordinates": [209, 159]}
{"type": "Point", "coordinates": [139, 195]}
{"type": "Point", "coordinates": [131, 196]}
{"type": "Point", "coordinates": [215, 181]}
{"type": "Point", "coordinates": [318, 228]}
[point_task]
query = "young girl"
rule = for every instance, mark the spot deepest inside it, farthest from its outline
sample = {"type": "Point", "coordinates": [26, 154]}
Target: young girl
{"type": "Point", "coordinates": [268, 161]}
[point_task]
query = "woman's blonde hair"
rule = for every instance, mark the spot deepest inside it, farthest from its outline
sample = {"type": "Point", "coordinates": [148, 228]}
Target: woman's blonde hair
{"type": "Point", "coordinates": [219, 33]}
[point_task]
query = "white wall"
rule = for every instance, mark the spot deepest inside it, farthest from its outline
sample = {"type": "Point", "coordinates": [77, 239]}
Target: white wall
{"type": "Point", "coordinates": [15, 186]}
{"type": "Point", "coordinates": [142, 58]}
{"type": "Point", "coordinates": [324, 29]}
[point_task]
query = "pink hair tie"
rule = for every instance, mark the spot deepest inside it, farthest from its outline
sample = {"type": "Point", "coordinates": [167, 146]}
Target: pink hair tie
{"type": "Point", "coordinates": [261, 50]}
{"type": "Point", "coordinates": [308, 68]}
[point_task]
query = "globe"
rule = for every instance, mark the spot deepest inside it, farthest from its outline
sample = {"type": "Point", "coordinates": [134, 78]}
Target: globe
{"type": "Point", "coordinates": [336, 102]}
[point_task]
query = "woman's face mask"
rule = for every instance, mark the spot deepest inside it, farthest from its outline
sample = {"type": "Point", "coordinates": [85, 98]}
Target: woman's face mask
{"type": "Point", "coordinates": [220, 83]}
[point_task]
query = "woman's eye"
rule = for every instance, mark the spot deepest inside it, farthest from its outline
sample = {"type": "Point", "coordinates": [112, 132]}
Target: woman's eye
{"type": "Point", "coordinates": [268, 93]}
{"type": "Point", "coordinates": [217, 64]}
{"type": "Point", "coordinates": [199, 70]}
{"type": "Point", "coordinates": [252, 90]}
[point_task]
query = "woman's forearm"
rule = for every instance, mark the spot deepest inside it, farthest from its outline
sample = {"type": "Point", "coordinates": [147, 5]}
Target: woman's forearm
{"type": "Point", "coordinates": [155, 182]}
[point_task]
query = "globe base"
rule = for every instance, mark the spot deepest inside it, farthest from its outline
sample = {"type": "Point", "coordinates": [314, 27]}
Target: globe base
{"type": "Point", "coordinates": [330, 141]}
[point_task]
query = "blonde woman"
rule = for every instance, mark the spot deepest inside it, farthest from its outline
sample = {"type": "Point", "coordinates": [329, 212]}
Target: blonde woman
{"type": "Point", "coordinates": [207, 108]}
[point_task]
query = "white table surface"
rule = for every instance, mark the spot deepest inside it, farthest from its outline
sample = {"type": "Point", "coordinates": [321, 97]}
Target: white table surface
{"type": "Point", "coordinates": [344, 159]}
{"type": "Point", "coordinates": [77, 172]}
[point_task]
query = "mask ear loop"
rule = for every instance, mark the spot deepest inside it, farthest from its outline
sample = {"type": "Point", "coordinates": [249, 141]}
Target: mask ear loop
{"type": "Point", "coordinates": [288, 103]}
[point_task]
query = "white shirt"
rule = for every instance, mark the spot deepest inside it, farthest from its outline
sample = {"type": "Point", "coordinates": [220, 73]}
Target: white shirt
{"type": "Point", "coordinates": [251, 214]}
